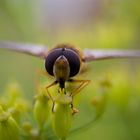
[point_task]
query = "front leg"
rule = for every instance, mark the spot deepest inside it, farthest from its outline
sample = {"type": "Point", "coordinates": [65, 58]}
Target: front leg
{"type": "Point", "coordinates": [83, 83]}
{"type": "Point", "coordinates": [77, 90]}
{"type": "Point", "coordinates": [52, 84]}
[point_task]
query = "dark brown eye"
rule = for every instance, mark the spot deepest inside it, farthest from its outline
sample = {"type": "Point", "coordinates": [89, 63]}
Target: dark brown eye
{"type": "Point", "coordinates": [74, 61]}
{"type": "Point", "coordinates": [72, 57]}
{"type": "Point", "coordinates": [51, 58]}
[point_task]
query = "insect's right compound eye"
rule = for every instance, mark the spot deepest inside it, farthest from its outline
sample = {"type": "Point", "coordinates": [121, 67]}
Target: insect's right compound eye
{"type": "Point", "coordinates": [51, 58]}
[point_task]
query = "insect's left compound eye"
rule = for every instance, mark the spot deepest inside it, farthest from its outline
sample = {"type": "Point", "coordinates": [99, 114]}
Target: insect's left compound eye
{"type": "Point", "coordinates": [51, 58]}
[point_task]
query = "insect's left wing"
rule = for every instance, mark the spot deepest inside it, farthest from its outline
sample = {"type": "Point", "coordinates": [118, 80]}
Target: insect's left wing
{"type": "Point", "coordinates": [31, 49]}
{"type": "Point", "coordinates": [93, 55]}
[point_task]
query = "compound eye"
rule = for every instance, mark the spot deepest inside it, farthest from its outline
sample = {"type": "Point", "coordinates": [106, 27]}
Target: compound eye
{"type": "Point", "coordinates": [74, 61]}
{"type": "Point", "coordinates": [51, 58]}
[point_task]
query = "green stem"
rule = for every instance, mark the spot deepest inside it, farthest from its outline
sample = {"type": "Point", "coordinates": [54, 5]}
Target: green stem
{"type": "Point", "coordinates": [85, 126]}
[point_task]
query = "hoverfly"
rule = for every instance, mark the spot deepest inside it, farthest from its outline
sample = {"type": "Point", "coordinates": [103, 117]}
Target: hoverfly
{"type": "Point", "coordinates": [65, 61]}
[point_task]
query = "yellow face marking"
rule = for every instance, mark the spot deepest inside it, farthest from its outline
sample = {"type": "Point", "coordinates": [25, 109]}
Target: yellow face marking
{"type": "Point", "coordinates": [61, 69]}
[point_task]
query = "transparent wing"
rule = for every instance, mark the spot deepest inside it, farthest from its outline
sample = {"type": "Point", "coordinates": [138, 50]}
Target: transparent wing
{"type": "Point", "coordinates": [31, 49]}
{"type": "Point", "coordinates": [93, 55]}
{"type": "Point", "coordinates": [89, 55]}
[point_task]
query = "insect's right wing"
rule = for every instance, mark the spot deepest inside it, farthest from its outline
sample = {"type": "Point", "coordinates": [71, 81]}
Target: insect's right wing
{"type": "Point", "coordinates": [31, 49]}
{"type": "Point", "coordinates": [100, 54]}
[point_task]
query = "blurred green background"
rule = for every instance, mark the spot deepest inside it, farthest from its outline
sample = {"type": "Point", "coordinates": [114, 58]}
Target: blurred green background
{"type": "Point", "coordinates": [85, 24]}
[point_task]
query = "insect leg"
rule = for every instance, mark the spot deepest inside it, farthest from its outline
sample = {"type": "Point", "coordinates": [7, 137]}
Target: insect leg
{"type": "Point", "coordinates": [74, 110]}
{"type": "Point", "coordinates": [52, 84]}
{"type": "Point", "coordinates": [83, 83]}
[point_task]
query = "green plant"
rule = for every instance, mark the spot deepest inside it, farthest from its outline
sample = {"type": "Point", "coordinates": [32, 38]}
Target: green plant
{"type": "Point", "coordinates": [19, 119]}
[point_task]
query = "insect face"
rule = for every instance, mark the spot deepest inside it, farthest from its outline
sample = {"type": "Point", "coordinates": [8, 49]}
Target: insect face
{"type": "Point", "coordinates": [61, 70]}
{"type": "Point", "coordinates": [62, 63]}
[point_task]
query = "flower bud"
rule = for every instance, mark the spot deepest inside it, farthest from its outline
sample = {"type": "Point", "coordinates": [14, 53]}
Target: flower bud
{"type": "Point", "coordinates": [13, 91]}
{"type": "Point", "coordinates": [100, 103]}
{"type": "Point", "coordinates": [41, 109]}
{"type": "Point", "coordinates": [101, 98]}
{"type": "Point", "coordinates": [62, 116]}
{"type": "Point", "coordinates": [27, 127]}
{"type": "Point", "coordinates": [8, 127]}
